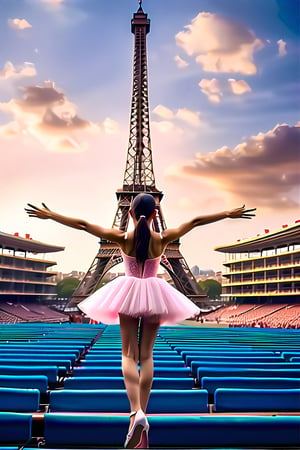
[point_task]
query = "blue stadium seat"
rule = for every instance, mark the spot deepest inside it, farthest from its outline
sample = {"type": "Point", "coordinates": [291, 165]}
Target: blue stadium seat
{"type": "Point", "coordinates": [117, 363]}
{"type": "Point", "coordinates": [195, 365]}
{"type": "Point", "coordinates": [9, 448]}
{"type": "Point", "coordinates": [227, 353]}
{"type": "Point", "coordinates": [94, 383]}
{"type": "Point", "coordinates": [51, 372]}
{"type": "Point", "coordinates": [160, 401]}
{"type": "Point", "coordinates": [36, 362]}
{"type": "Point", "coordinates": [117, 371]}
{"type": "Point", "coordinates": [19, 400]}
{"type": "Point", "coordinates": [170, 356]}
{"type": "Point", "coordinates": [44, 349]}
{"type": "Point", "coordinates": [64, 342]}
{"type": "Point", "coordinates": [40, 355]}
{"type": "Point", "coordinates": [198, 347]}
{"type": "Point", "coordinates": [68, 400]}
{"type": "Point", "coordinates": [39, 382]}
{"type": "Point", "coordinates": [179, 401]}
{"type": "Point", "coordinates": [230, 372]}
{"type": "Point", "coordinates": [118, 383]}
{"type": "Point", "coordinates": [249, 400]}
{"type": "Point", "coordinates": [15, 428]}
{"type": "Point", "coordinates": [175, 431]}
{"type": "Point", "coordinates": [232, 359]}
{"type": "Point", "coordinates": [213, 383]}
{"type": "Point", "coordinates": [84, 430]}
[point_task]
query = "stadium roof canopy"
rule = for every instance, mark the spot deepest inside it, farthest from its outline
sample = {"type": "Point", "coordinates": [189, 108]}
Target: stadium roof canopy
{"type": "Point", "coordinates": [17, 243]}
{"type": "Point", "coordinates": [289, 235]}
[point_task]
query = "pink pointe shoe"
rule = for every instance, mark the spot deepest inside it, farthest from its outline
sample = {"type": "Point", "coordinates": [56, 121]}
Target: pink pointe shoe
{"type": "Point", "coordinates": [137, 436]}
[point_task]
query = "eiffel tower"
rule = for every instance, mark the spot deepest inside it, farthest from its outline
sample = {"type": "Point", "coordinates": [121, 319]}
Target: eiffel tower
{"type": "Point", "coordinates": [138, 177]}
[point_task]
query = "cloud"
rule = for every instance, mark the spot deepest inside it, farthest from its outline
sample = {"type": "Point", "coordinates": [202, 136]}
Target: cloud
{"type": "Point", "coordinates": [262, 171]}
{"type": "Point", "coordinates": [10, 129]}
{"type": "Point", "coordinates": [215, 89]}
{"type": "Point", "coordinates": [182, 114]}
{"type": "Point", "coordinates": [219, 44]}
{"type": "Point", "coordinates": [166, 126]}
{"type": "Point", "coordinates": [239, 87]}
{"type": "Point", "coordinates": [110, 126]}
{"type": "Point", "coordinates": [163, 112]}
{"type": "Point", "coordinates": [281, 47]}
{"type": "Point", "coordinates": [9, 71]}
{"type": "Point", "coordinates": [211, 88]}
{"type": "Point", "coordinates": [180, 62]}
{"type": "Point", "coordinates": [188, 116]}
{"type": "Point", "coordinates": [19, 24]}
{"type": "Point", "coordinates": [44, 113]}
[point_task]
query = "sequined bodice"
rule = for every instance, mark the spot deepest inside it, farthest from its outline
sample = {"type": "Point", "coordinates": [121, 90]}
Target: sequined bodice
{"type": "Point", "coordinates": [133, 268]}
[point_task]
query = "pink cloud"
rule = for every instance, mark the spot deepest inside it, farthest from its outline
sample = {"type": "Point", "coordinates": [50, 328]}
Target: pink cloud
{"type": "Point", "coordinates": [168, 115]}
{"type": "Point", "coordinates": [219, 44]}
{"type": "Point", "coordinates": [212, 88]}
{"type": "Point", "coordinates": [215, 89]}
{"type": "Point", "coordinates": [9, 71]}
{"type": "Point", "coordinates": [239, 87]}
{"type": "Point", "coordinates": [263, 170]}
{"type": "Point", "coordinates": [45, 114]}
{"type": "Point", "coordinates": [163, 112]}
{"type": "Point", "coordinates": [190, 117]}
{"type": "Point", "coordinates": [180, 62]}
{"type": "Point", "coordinates": [19, 24]}
{"type": "Point", "coordinates": [281, 47]}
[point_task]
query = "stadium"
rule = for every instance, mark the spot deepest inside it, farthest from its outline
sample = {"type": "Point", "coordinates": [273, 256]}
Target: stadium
{"type": "Point", "coordinates": [225, 384]}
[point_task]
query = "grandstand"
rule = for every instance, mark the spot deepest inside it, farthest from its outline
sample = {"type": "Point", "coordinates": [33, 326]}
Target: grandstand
{"type": "Point", "coordinates": [26, 281]}
{"type": "Point", "coordinates": [262, 285]}
{"type": "Point", "coordinates": [253, 315]}
{"type": "Point", "coordinates": [265, 267]}
{"type": "Point", "coordinates": [61, 387]}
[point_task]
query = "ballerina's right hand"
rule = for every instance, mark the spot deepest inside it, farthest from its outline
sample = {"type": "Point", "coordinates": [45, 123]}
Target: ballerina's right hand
{"type": "Point", "coordinates": [40, 213]}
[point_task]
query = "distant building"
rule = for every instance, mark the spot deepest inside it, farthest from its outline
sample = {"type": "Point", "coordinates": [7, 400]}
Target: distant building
{"type": "Point", "coordinates": [195, 270]}
{"type": "Point", "coordinates": [264, 268]}
{"type": "Point", "coordinates": [73, 274]}
{"type": "Point", "coordinates": [25, 279]}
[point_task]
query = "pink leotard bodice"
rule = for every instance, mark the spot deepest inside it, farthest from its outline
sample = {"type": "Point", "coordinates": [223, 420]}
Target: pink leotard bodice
{"type": "Point", "coordinates": [133, 268]}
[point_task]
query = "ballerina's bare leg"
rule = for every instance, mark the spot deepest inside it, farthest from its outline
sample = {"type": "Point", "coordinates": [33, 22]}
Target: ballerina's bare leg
{"type": "Point", "coordinates": [148, 333]}
{"type": "Point", "coordinates": [130, 357]}
{"type": "Point", "coordinates": [135, 349]}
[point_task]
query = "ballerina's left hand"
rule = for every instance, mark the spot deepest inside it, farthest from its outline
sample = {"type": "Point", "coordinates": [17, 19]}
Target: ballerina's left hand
{"type": "Point", "coordinates": [241, 213]}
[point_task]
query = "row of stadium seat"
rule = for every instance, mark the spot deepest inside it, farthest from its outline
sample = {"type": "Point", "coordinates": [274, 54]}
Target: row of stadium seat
{"type": "Point", "coordinates": [210, 384]}
{"type": "Point", "coordinates": [166, 431]}
{"type": "Point", "coordinates": [161, 401]}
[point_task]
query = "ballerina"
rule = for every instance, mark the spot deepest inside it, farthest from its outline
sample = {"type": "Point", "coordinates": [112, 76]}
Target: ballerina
{"type": "Point", "coordinates": [139, 301]}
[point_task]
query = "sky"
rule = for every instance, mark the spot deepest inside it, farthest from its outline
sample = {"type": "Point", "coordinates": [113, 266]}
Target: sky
{"type": "Point", "coordinates": [224, 98]}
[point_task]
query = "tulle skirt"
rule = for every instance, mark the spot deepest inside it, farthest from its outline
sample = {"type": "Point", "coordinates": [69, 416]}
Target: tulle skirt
{"type": "Point", "coordinates": [151, 298]}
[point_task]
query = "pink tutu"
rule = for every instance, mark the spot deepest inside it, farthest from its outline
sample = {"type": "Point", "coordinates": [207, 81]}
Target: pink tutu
{"type": "Point", "coordinates": [139, 294]}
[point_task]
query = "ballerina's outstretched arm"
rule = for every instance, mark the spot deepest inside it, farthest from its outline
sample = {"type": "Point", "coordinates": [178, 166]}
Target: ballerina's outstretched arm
{"type": "Point", "coordinates": [113, 234]}
{"type": "Point", "coordinates": [172, 234]}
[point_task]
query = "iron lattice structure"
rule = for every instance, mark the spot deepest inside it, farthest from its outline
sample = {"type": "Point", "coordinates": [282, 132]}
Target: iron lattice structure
{"type": "Point", "coordinates": [138, 177]}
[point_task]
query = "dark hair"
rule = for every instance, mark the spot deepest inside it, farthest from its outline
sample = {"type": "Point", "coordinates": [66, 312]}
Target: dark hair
{"type": "Point", "coordinates": [143, 206]}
